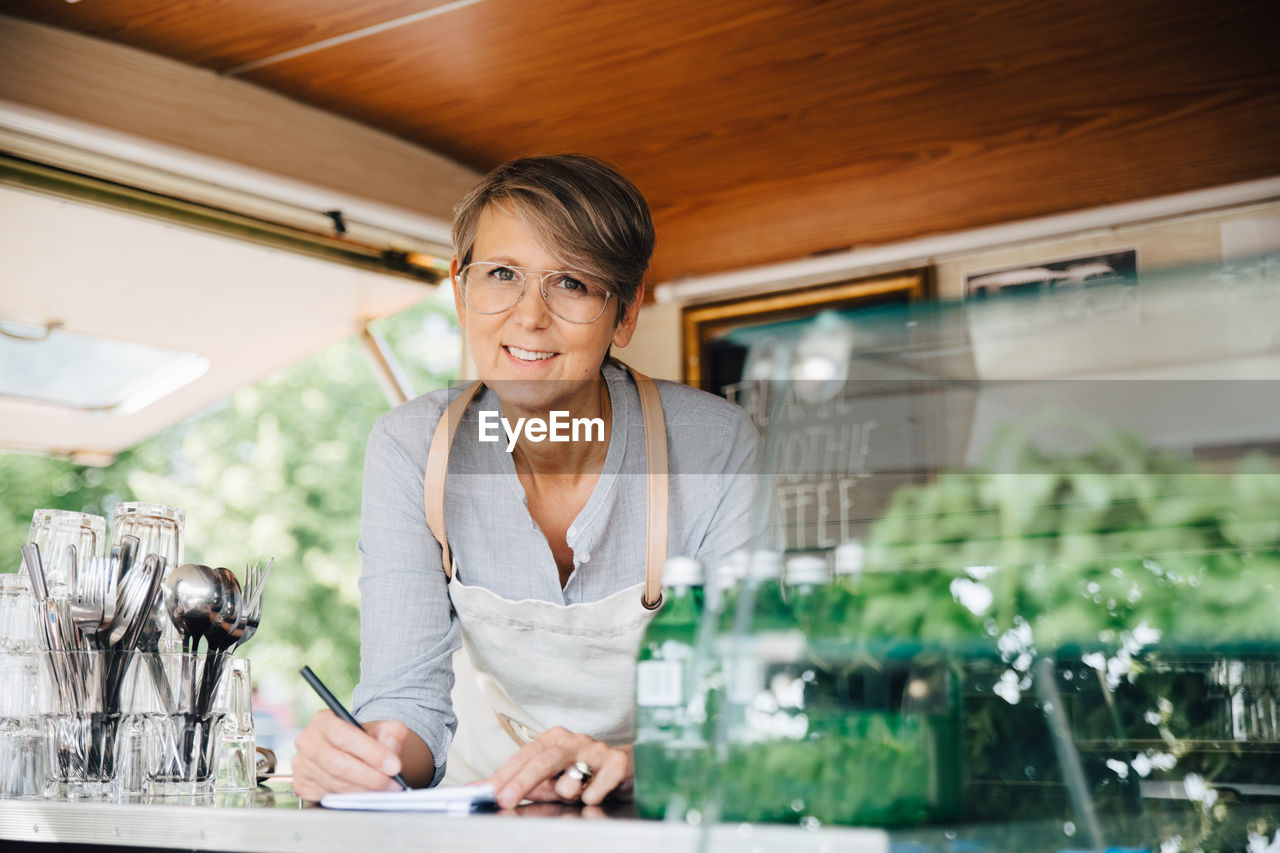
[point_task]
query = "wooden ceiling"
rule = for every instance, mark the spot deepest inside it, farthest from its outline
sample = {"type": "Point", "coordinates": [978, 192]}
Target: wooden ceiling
{"type": "Point", "coordinates": [767, 130]}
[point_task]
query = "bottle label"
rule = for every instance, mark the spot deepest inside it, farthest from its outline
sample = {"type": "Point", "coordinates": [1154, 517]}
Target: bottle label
{"type": "Point", "coordinates": [659, 683]}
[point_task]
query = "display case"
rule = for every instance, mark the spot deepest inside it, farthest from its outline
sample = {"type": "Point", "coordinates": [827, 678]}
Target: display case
{"type": "Point", "coordinates": [1049, 523]}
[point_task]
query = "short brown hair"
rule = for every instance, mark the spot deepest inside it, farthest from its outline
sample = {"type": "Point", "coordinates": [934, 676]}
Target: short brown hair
{"type": "Point", "coordinates": [582, 208]}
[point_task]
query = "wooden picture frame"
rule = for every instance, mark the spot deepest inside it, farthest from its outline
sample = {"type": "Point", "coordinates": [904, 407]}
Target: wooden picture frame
{"type": "Point", "coordinates": [703, 323]}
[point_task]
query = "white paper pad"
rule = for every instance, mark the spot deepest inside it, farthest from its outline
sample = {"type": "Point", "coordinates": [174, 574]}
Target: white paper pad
{"type": "Point", "coordinates": [463, 798]}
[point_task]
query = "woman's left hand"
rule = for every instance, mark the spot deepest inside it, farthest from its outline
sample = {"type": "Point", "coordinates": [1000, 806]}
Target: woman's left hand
{"type": "Point", "coordinates": [537, 771]}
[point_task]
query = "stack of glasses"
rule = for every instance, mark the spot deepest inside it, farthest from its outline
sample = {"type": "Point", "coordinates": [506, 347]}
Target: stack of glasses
{"type": "Point", "coordinates": [103, 689]}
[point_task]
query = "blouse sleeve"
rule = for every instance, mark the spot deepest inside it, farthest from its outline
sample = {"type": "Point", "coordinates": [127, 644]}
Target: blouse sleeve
{"type": "Point", "coordinates": [408, 630]}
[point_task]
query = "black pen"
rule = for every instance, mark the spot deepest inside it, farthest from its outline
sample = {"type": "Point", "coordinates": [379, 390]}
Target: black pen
{"type": "Point", "coordinates": [336, 707]}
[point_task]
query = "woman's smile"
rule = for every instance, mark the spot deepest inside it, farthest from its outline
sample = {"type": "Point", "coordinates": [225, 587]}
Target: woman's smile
{"type": "Point", "coordinates": [528, 357]}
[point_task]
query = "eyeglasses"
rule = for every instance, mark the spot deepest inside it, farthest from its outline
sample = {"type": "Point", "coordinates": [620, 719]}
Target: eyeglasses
{"type": "Point", "coordinates": [491, 288]}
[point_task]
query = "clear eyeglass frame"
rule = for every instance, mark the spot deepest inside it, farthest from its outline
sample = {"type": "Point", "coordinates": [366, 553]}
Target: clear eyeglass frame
{"type": "Point", "coordinates": [523, 273]}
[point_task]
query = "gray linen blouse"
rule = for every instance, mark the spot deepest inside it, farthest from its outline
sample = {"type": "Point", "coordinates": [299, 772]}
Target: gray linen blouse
{"type": "Point", "coordinates": [409, 630]}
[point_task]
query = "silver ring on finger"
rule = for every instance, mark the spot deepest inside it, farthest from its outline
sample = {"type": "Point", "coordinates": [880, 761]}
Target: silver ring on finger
{"type": "Point", "coordinates": [580, 772]}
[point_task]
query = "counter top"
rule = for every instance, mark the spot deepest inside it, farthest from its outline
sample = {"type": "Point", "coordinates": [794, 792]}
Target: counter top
{"type": "Point", "coordinates": [270, 821]}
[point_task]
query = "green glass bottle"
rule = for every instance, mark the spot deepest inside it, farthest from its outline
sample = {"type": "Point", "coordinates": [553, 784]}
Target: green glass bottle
{"type": "Point", "coordinates": [771, 611]}
{"type": "Point", "coordinates": [809, 591]}
{"type": "Point", "coordinates": [670, 750]}
{"type": "Point", "coordinates": [725, 589]}
{"type": "Point", "coordinates": [763, 698]}
{"type": "Point", "coordinates": [847, 563]}
{"type": "Point", "coordinates": [707, 708]}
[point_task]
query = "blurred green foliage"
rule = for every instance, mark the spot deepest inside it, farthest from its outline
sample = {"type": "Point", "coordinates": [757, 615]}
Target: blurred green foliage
{"type": "Point", "coordinates": [1081, 549]}
{"type": "Point", "coordinates": [273, 470]}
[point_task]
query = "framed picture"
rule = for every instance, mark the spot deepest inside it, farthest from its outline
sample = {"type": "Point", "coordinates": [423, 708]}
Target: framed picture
{"type": "Point", "coordinates": [1045, 300]}
{"type": "Point", "coordinates": [713, 360]}
{"type": "Point", "coordinates": [1057, 276]}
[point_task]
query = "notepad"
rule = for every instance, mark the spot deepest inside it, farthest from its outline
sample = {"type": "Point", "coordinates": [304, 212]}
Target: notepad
{"type": "Point", "coordinates": [460, 799]}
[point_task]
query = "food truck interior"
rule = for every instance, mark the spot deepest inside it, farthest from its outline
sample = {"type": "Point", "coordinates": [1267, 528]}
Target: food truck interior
{"type": "Point", "coordinates": [998, 282]}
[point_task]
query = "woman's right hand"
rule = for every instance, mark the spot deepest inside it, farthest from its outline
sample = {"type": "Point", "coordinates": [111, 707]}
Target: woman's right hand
{"type": "Point", "coordinates": [334, 755]}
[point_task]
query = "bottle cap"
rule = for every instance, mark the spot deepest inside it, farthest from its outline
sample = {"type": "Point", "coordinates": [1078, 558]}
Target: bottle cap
{"type": "Point", "coordinates": [730, 570]}
{"type": "Point", "coordinates": [764, 566]}
{"type": "Point", "coordinates": [682, 571]}
{"type": "Point", "coordinates": [807, 569]}
{"type": "Point", "coordinates": [849, 557]}
{"type": "Point", "coordinates": [725, 576]}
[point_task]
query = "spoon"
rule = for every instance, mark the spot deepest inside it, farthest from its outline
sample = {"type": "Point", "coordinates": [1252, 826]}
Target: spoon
{"type": "Point", "coordinates": [193, 598]}
{"type": "Point", "coordinates": [223, 632]}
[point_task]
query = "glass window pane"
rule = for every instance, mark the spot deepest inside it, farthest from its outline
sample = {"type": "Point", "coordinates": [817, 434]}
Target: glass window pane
{"type": "Point", "coordinates": [84, 372]}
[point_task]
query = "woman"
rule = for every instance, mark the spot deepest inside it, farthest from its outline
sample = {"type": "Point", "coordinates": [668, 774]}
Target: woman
{"type": "Point", "coordinates": [519, 634]}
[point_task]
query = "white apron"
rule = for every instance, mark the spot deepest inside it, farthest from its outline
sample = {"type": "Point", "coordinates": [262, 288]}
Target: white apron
{"type": "Point", "coordinates": [527, 666]}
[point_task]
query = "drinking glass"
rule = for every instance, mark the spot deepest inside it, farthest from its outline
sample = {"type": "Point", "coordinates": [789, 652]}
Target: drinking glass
{"type": "Point", "coordinates": [133, 756]}
{"type": "Point", "coordinates": [158, 528]}
{"type": "Point", "coordinates": [237, 756]}
{"type": "Point", "coordinates": [159, 531]}
{"type": "Point", "coordinates": [183, 757]}
{"type": "Point", "coordinates": [136, 755]}
{"type": "Point", "coordinates": [24, 753]}
{"type": "Point", "coordinates": [17, 616]}
{"type": "Point", "coordinates": [53, 530]}
{"type": "Point", "coordinates": [81, 721]}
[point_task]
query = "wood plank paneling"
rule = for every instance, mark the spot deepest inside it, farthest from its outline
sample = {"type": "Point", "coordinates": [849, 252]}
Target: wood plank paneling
{"type": "Point", "coordinates": [766, 130]}
{"type": "Point", "coordinates": [151, 98]}
{"type": "Point", "coordinates": [215, 34]}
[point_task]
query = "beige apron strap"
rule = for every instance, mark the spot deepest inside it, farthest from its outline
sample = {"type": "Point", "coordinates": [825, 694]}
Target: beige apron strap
{"type": "Point", "coordinates": [655, 447]}
{"type": "Point", "coordinates": [438, 465]}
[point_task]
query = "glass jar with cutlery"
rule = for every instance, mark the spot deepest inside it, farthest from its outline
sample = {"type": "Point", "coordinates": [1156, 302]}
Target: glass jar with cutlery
{"type": "Point", "coordinates": [92, 698]}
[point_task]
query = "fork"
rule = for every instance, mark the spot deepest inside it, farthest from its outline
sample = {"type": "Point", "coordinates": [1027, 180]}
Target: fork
{"type": "Point", "coordinates": [93, 597]}
{"type": "Point", "coordinates": [255, 582]}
